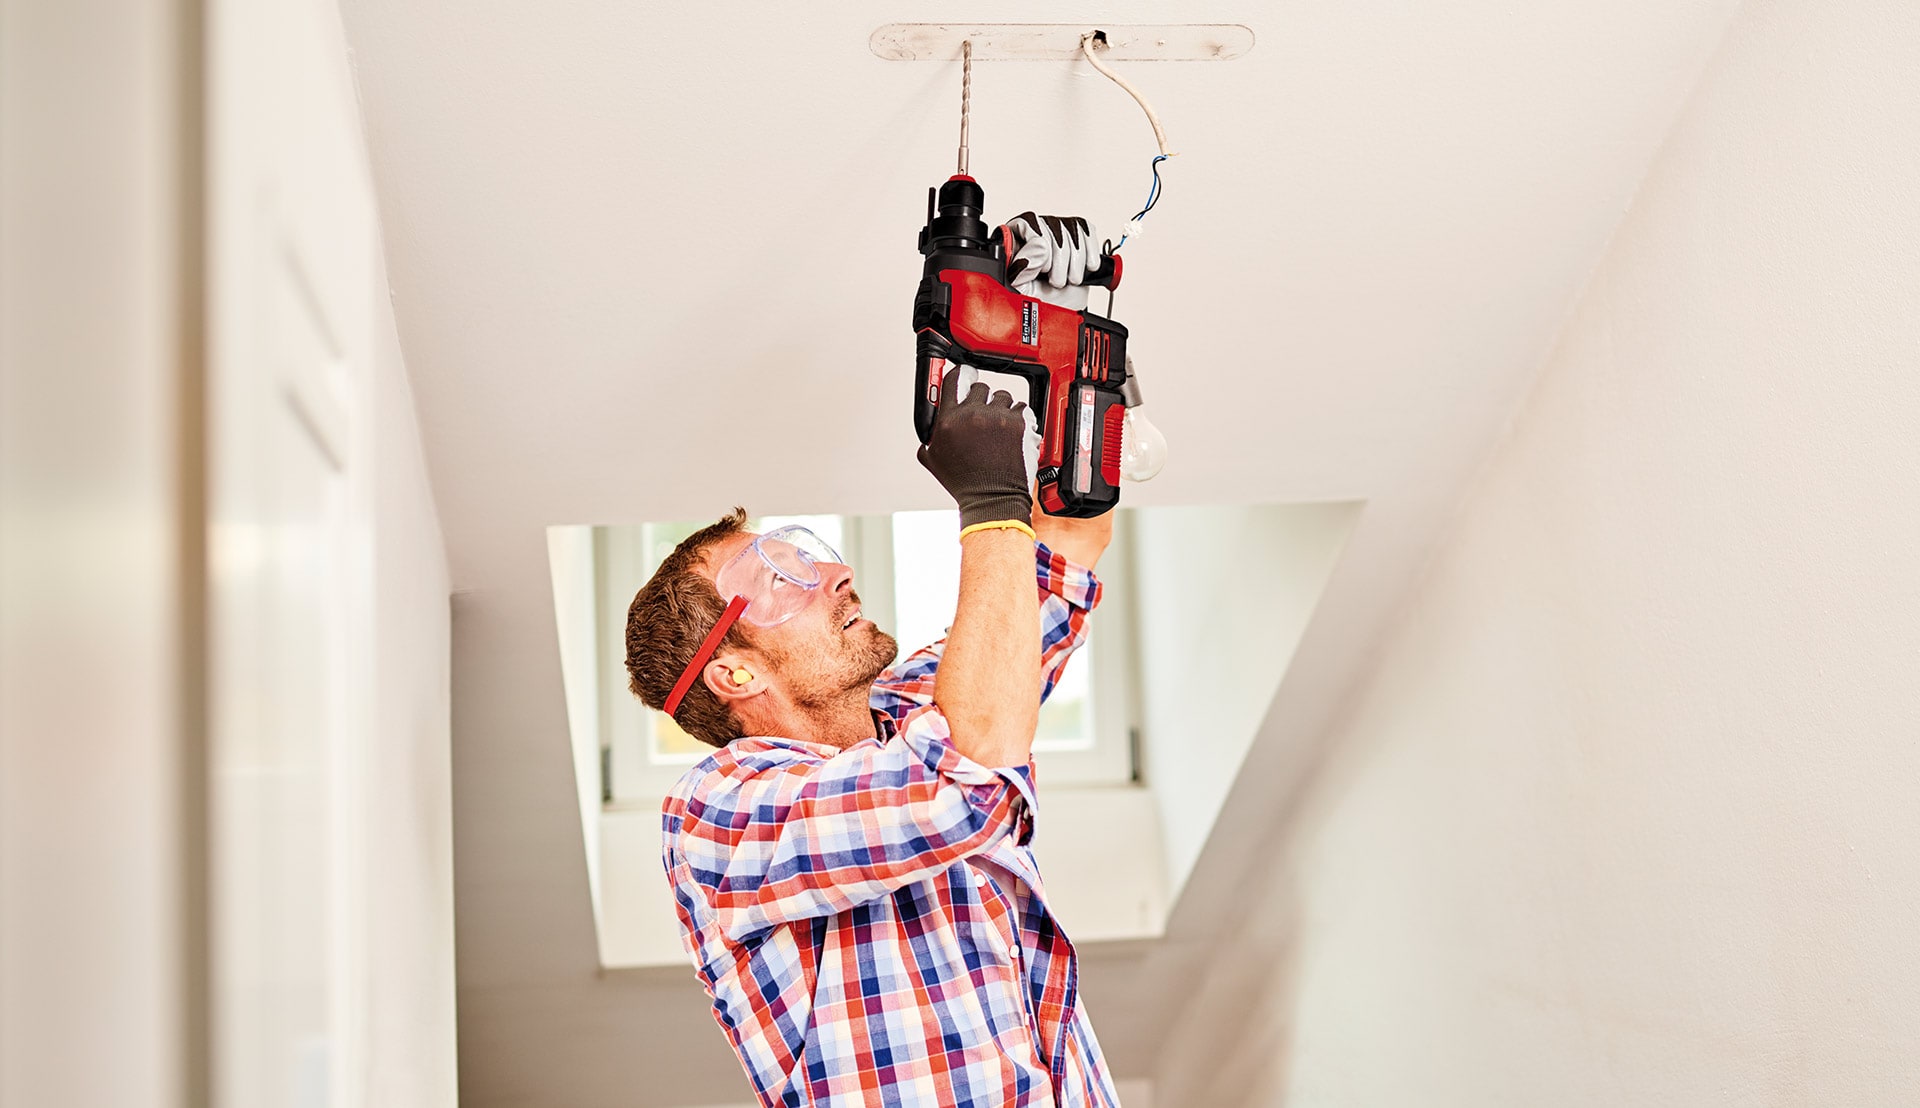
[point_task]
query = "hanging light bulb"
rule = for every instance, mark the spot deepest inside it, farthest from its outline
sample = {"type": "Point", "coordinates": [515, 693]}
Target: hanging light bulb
{"type": "Point", "coordinates": [1143, 449]}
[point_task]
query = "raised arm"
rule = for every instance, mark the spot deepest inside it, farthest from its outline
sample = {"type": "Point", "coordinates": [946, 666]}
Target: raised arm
{"type": "Point", "coordinates": [1079, 541]}
{"type": "Point", "coordinates": [988, 683]}
{"type": "Point", "coordinates": [1067, 591]}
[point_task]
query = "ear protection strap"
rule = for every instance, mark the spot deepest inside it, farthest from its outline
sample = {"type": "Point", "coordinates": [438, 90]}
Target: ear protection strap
{"type": "Point", "coordinates": [700, 656]}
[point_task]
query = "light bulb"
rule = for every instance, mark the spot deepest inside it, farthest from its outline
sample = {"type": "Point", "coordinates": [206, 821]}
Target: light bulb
{"type": "Point", "coordinates": [1143, 449]}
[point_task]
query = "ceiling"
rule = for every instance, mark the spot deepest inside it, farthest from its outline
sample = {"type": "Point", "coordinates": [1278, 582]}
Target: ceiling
{"type": "Point", "coordinates": [648, 263]}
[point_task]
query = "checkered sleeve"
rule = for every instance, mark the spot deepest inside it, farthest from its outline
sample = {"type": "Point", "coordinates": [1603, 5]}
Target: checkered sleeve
{"type": "Point", "coordinates": [773, 837]}
{"type": "Point", "coordinates": [1068, 591]}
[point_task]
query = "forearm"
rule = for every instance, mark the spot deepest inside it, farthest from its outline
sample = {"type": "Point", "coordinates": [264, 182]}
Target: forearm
{"type": "Point", "coordinates": [1081, 541]}
{"type": "Point", "coordinates": [988, 684]}
{"type": "Point", "coordinates": [1068, 592]}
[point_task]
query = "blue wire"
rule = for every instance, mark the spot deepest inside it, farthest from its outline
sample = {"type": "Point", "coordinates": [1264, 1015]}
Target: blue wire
{"type": "Point", "coordinates": [1153, 196]}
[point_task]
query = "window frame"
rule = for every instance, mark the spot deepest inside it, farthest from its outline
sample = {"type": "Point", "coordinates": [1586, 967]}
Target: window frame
{"type": "Point", "coordinates": [636, 777]}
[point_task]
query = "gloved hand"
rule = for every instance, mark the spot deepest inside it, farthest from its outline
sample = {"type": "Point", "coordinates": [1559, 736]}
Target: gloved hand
{"type": "Point", "coordinates": [1050, 257]}
{"type": "Point", "coordinates": [975, 452]}
{"type": "Point", "coordinates": [1030, 447]}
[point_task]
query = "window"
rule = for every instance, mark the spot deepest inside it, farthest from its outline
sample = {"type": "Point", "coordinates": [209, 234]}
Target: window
{"type": "Point", "coordinates": [906, 569]}
{"type": "Point", "coordinates": [926, 588]}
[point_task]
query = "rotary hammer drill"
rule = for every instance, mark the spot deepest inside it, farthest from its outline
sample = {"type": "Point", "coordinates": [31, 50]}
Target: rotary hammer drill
{"type": "Point", "coordinates": [1075, 362]}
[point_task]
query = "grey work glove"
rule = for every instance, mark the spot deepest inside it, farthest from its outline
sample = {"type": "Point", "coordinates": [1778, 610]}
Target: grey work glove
{"type": "Point", "coordinates": [1050, 257]}
{"type": "Point", "coordinates": [975, 452]}
{"type": "Point", "coordinates": [1031, 448]}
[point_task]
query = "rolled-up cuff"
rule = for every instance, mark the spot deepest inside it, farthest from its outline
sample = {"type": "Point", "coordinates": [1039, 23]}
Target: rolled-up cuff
{"type": "Point", "coordinates": [932, 745]}
{"type": "Point", "coordinates": [1065, 578]}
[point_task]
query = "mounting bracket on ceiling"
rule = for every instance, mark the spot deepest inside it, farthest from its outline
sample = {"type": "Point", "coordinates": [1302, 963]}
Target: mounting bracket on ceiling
{"type": "Point", "coordinates": [1059, 42]}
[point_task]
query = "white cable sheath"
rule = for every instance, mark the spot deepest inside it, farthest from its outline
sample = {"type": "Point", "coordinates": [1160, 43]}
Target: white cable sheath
{"type": "Point", "coordinates": [1159, 134]}
{"type": "Point", "coordinates": [1143, 449]}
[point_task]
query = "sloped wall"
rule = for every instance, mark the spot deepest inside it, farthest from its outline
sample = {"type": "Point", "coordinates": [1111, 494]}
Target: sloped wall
{"type": "Point", "coordinates": [1226, 594]}
{"type": "Point", "coordinates": [1626, 814]}
{"type": "Point", "coordinates": [411, 1057]}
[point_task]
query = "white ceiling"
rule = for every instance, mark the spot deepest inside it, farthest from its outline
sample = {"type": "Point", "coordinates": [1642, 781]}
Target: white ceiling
{"type": "Point", "coordinates": [649, 262]}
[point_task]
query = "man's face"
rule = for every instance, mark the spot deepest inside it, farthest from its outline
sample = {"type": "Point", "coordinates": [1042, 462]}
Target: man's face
{"type": "Point", "coordinates": [828, 648]}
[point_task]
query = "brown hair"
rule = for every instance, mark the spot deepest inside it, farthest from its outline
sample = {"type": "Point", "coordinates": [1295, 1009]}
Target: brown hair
{"type": "Point", "coordinates": [669, 618]}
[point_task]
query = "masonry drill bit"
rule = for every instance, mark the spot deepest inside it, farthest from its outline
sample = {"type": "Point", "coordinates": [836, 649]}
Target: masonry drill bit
{"type": "Point", "coordinates": [966, 97]}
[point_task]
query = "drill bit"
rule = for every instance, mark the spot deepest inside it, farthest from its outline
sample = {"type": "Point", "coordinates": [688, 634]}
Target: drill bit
{"type": "Point", "coordinates": [966, 97]}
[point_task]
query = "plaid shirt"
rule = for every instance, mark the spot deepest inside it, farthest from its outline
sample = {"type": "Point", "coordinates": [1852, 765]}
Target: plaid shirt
{"type": "Point", "coordinates": [870, 923]}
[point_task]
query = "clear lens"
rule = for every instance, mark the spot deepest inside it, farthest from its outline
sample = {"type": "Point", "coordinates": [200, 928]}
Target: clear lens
{"type": "Point", "coordinates": [795, 540]}
{"type": "Point", "coordinates": [777, 573]}
{"type": "Point", "coordinates": [788, 558]}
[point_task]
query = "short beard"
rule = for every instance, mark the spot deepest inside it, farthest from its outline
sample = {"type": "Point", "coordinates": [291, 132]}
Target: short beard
{"type": "Point", "coordinates": [860, 679]}
{"type": "Point", "coordinates": [885, 649]}
{"type": "Point", "coordinates": [863, 670]}
{"type": "Point", "coordinates": [878, 657]}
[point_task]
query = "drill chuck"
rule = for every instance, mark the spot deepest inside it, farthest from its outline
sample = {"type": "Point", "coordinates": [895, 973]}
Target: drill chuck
{"type": "Point", "coordinates": [953, 219]}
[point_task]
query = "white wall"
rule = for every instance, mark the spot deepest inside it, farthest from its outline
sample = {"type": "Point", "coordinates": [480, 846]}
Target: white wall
{"type": "Point", "coordinates": [107, 959]}
{"type": "Point", "coordinates": [1627, 813]}
{"type": "Point", "coordinates": [96, 132]}
{"type": "Point", "coordinates": [331, 879]}
{"type": "Point", "coordinates": [577, 629]}
{"type": "Point", "coordinates": [1225, 594]}
{"type": "Point", "coordinates": [411, 1061]}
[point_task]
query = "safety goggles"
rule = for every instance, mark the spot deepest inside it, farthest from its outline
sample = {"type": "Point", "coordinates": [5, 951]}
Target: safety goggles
{"type": "Point", "coordinates": [769, 583]}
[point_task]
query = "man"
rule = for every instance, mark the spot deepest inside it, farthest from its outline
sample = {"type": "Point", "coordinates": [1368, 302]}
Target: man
{"type": "Point", "coordinates": [852, 868]}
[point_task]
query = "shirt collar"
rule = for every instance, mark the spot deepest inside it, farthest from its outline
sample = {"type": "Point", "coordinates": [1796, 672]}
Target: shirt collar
{"type": "Point", "coordinates": [824, 749]}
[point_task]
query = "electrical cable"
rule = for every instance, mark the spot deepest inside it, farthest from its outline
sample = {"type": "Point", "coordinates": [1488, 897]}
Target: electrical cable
{"type": "Point", "coordinates": [1153, 197]}
{"type": "Point", "coordinates": [1086, 47]}
{"type": "Point", "coordinates": [1159, 133]}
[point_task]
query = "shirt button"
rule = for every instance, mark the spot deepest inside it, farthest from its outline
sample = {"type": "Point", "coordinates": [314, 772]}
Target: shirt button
{"type": "Point", "coordinates": [980, 879]}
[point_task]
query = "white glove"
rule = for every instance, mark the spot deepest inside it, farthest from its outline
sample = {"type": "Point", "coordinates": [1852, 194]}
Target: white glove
{"type": "Point", "coordinates": [1030, 449]}
{"type": "Point", "coordinates": [1050, 259]}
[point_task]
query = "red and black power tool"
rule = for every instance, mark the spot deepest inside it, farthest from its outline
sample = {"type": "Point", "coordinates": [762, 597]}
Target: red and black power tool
{"type": "Point", "coordinates": [1074, 361]}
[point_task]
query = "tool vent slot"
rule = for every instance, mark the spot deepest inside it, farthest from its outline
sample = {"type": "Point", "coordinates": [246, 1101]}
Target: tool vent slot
{"type": "Point", "coordinates": [1110, 434]}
